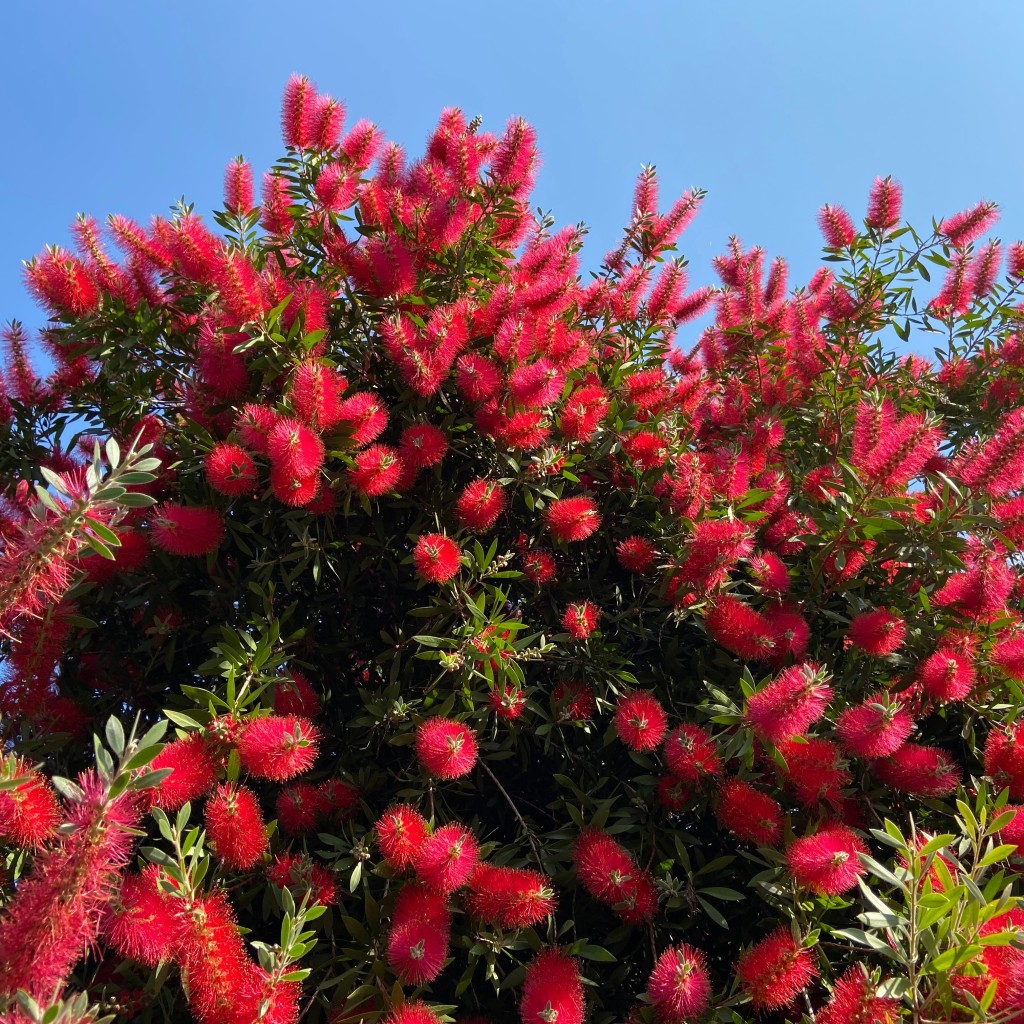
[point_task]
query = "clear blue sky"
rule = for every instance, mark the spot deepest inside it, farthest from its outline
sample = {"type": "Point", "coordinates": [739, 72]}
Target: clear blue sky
{"type": "Point", "coordinates": [775, 108]}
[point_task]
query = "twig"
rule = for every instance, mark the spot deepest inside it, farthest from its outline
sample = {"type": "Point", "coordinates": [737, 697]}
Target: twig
{"type": "Point", "coordinates": [515, 810]}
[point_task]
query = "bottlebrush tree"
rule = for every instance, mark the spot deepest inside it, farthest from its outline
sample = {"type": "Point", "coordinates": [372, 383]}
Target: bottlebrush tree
{"type": "Point", "coordinates": [399, 626]}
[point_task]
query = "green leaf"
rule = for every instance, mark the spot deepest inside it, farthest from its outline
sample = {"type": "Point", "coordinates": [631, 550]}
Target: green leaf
{"type": "Point", "coordinates": [115, 735]}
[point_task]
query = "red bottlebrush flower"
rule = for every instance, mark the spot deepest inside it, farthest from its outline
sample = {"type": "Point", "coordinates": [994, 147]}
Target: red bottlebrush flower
{"type": "Point", "coordinates": [480, 504]}
{"type": "Point", "coordinates": [192, 772]}
{"type": "Point", "coordinates": [446, 749]}
{"type": "Point", "coordinates": [997, 465]}
{"type": "Point", "coordinates": [814, 770]}
{"type": "Point", "coordinates": [143, 923]}
{"type": "Point", "coordinates": [878, 632]}
{"type": "Point", "coordinates": [299, 807]}
{"type": "Point", "coordinates": [188, 531]}
{"type": "Point", "coordinates": [552, 990]}
{"type": "Point", "coordinates": [636, 554]}
{"type": "Point", "coordinates": [508, 701]}
{"type": "Point", "coordinates": [377, 470]}
{"type": "Point", "coordinates": [539, 568]}
{"type": "Point", "coordinates": [294, 695]}
{"type": "Point", "coordinates": [238, 187]}
{"type": "Point", "coordinates": [572, 519]}
{"type": "Point", "coordinates": [510, 897]}
{"type": "Point", "coordinates": [954, 297]}
{"type": "Point", "coordinates": [29, 813]}
{"type": "Point", "coordinates": [740, 629]}
{"type": "Point", "coordinates": [637, 900]}
{"type": "Point", "coordinates": [775, 970]}
{"type": "Point", "coordinates": [786, 706]}
{"type": "Point", "coordinates": [54, 914]}
{"type": "Point", "coordinates": [1013, 830]}
{"type": "Point", "coordinates": [828, 861]}
{"type": "Point", "coordinates": [235, 826]}
{"type": "Point", "coordinates": [339, 800]}
{"type": "Point", "coordinates": [536, 384]}
{"type": "Point", "coordinates": [647, 389]}
{"type": "Point", "coordinates": [436, 557]}
{"type": "Point", "coordinates": [854, 1002]}
{"type": "Point", "coordinates": [326, 122]}
{"type": "Point", "coordinates": [981, 274]}
{"type": "Point", "coordinates": [640, 721]}
{"type": "Point", "coordinates": [417, 951]}
{"type": "Point", "coordinates": [415, 1012]}
{"type": "Point", "coordinates": [292, 871]}
{"type": "Point", "coordinates": [645, 448]}
{"type": "Point", "coordinates": [691, 754]}
{"type": "Point", "coordinates": [295, 491]}
{"type": "Point", "coordinates": [365, 416]}
{"type": "Point", "coordinates": [876, 728]}
{"type": "Point", "coordinates": [297, 110]}
{"type": "Point", "coordinates": [918, 769]}
{"type": "Point", "coordinates": [253, 424]}
{"type": "Point", "coordinates": [476, 377]}
{"type": "Point", "coordinates": [524, 430]}
{"type": "Point", "coordinates": [230, 470]}
{"type": "Point", "coordinates": [601, 864]}
{"type": "Point", "coordinates": [337, 187]}
{"type": "Point", "coordinates": [770, 572]}
{"type": "Point", "coordinates": [401, 833]}
{"type": "Point", "coordinates": [968, 225]}
{"type": "Point", "coordinates": [679, 987]}
{"type": "Point", "coordinates": [1008, 654]}
{"type": "Point", "coordinates": [447, 858]}
{"type": "Point", "coordinates": [673, 794]}
{"type": "Point", "coordinates": [422, 445]}
{"type": "Point", "coordinates": [294, 448]}
{"type": "Point", "coordinates": [278, 747]}
{"type": "Point", "coordinates": [836, 226]}
{"type": "Point", "coordinates": [1004, 757]}
{"type": "Point", "coordinates": [947, 675]}
{"type": "Point", "coordinates": [885, 203]}
{"type": "Point", "coordinates": [583, 412]}
{"type": "Point", "coordinates": [749, 814]}
{"type": "Point", "coordinates": [572, 701]}
{"type": "Point", "coordinates": [580, 619]}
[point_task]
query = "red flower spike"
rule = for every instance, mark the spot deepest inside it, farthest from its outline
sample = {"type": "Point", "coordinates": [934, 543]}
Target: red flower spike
{"type": "Point", "coordinates": [292, 871]}
{"type": "Point", "coordinates": [968, 225]}
{"type": "Point", "coordinates": [238, 194]}
{"type": "Point", "coordinates": [552, 991]}
{"type": "Point", "coordinates": [188, 531]}
{"type": "Point", "coordinates": [192, 772]}
{"type": "Point", "coordinates": [636, 554]}
{"type": "Point", "coordinates": [947, 675]}
{"type": "Point", "coordinates": [278, 747]}
{"type": "Point", "coordinates": [775, 971]}
{"type": "Point", "coordinates": [539, 568]}
{"type": "Point", "coordinates": [854, 1002]}
{"type": "Point", "coordinates": [365, 417]}
{"type": "Point", "coordinates": [437, 558]}
{"type": "Point", "coordinates": [416, 951]}
{"type": "Point", "coordinates": [877, 632]}
{"type": "Point", "coordinates": [572, 519]}
{"type": "Point", "coordinates": [836, 226]}
{"type": "Point", "coordinates": [640, 721]}
{"type": "Point", "coordinates": [885, 202]}
{"type": "Point", "coordinates": [876, 728]}
{"type": "Point", "coordinates": [29, 813]}
{"type": "Point", "coordinates": [679, 987]}
{"type": "Point", "coordinates": [415, 1012]}
{"type": "Point", "coordinates": [339, 800]}
{"type": "Point", "coordinates": [828, 861]}
{"type": "Point", "coordinates": [446, 749]}
{"type": "Point", "coordinates": [921, 770]}
{"type": "Point", "coordinates": [572, 701]}
{"type": "Point", "coordinates": [299, 807]}
{"type": "Point", "coordinates": [749, 814]}
{"type": "Point", "coordinates": [508, 701]}
{"type": "Point", "coordinates": [740, 629]}
{"type": "Point", "coordinates": [447, 858]}
{"type": "Point", "coordinates": [143, 924]}
{"type": "Point", "coordinates": [230, 470]}
{"type": "Point", "coordinates": [235, 826]}
{"type": "Point", "coordinates": [791, 702]}
{"type": "Point", "coordinates": [294, 695]}
{"type": "Point", "coordinates": [377, 470]}
{"type": "Point", "coordinates": [480, 504]}
{"type": "Point", "coordinates": [297, 112]}
{"type": "Point", "coordinates": [691, 754]}
{"type": "Point", "coordinates": [1004, 757]}
{"type": "Point", "coordinates": [294, 448]}
{"type": "Point", "coordinates": [510, 897]}
{"type": "Point", "coordinates": [422, 445]}
{"type": "Point", "coordinates": [401, 833]}
{"type": "Point", "coordinates": [580, 619]}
